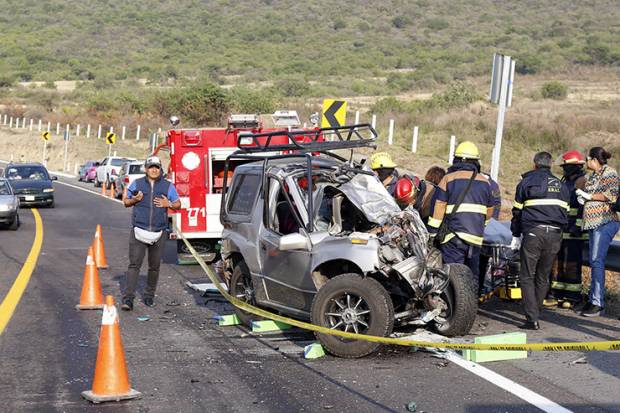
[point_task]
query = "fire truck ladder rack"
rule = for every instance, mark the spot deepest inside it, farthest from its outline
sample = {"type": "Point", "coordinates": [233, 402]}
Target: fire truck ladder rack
{"type": "Point", "coordinates": [316, 140]}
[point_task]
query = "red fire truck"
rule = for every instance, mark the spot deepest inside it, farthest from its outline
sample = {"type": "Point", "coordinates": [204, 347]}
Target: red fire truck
{"type": "Point", "coordinates": [197, 158]}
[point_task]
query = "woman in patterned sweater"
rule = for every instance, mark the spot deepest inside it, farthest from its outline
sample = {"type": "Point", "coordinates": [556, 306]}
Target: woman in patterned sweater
{"type": "Point", "coordinates": [601, 221]}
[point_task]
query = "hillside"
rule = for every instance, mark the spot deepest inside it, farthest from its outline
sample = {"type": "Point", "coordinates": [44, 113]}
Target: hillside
{"type": "Point", "coordinates": [362, 42]}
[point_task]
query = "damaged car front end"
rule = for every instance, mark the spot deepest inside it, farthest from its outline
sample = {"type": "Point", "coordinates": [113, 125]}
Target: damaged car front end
{"type": "Point", "coordinates": [324, 241]}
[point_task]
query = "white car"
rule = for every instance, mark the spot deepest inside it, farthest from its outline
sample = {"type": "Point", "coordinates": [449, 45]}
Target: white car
{"type": "Point", "coordinates": [108, 169]}
{"type": "Point", "coordinates": [130, 171]}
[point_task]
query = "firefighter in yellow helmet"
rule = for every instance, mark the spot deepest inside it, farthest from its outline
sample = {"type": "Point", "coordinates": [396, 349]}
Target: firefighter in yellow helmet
{"type": "Point", "coordinates": [385, 168]}
{"type": "Point", "coordinates": [463, 202]}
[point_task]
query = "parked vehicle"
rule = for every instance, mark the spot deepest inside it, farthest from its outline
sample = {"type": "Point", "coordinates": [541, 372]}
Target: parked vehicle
{"type": "Point", "coordinates": [129, 172]}
{"type": "Point", "coordinates": [317, 237]}
{"type": "Point", "coordinates": [31, 183]}
{"type": "Point", "coordinates": [88, 171]}
{"type": "Point", "coordinates": [197, 158]}
{"type": "Point", "coordinates": [9, 206]}
{"type": "Point", "coordinates": [108, 169]}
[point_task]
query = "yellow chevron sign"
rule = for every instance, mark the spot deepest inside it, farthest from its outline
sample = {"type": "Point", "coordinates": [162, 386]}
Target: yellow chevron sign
{"type": "Point", "coordinates": [110, 138]}
{"type": "Point", "coordinates": [334, 113]}
{"type": "Point", "coordinates": [46, 135]}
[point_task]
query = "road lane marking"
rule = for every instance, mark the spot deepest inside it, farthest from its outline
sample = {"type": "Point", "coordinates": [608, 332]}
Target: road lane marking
{"type": "Point", "coordinates": [7, 308]}
{"type": "Point", "coordinates": [89, 191]}
{"type": "Point", "coordinates": [506, 384]}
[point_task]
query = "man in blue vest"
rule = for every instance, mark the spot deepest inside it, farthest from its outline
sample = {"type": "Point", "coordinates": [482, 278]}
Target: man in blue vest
{"type": "Point", "coordinates": [150, 197]}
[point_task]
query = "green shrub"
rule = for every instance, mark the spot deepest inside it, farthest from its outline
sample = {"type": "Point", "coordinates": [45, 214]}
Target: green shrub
{"type": "Point", "coordinates": [245, 100]}
{"type": "Point", "coordinates": [292, 87]}
{"type": "Point", "coordinates": [6, 81]}
{"type": "Point", "coordinates": [554, 90]}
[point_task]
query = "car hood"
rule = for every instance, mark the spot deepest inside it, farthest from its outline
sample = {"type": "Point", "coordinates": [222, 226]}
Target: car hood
{"type": "Point", "coordinates": [371, 197]}
{"type": "Point", "coordinates": [19, 184]}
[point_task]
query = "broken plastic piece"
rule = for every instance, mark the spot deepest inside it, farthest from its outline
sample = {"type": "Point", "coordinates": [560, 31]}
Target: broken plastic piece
{"type": "Point", "coordinates": [412, 407]}
{"type": "Point", "coordinates": [144, 318]}
{"type": "Point", "coordinates": [314, 351]}
{"type": "Point", "coordinates": [228, 320]}
{"type": "Point", "coordinates": [268, 325]}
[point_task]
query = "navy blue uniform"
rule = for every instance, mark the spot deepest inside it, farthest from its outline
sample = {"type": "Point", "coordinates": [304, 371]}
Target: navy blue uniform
{"type": "Point", "coordinates": [566, 279]}
{"type": "Point", "coordinates": [540, 214]}
{"type": "Point", "coordinates": [466, 224]}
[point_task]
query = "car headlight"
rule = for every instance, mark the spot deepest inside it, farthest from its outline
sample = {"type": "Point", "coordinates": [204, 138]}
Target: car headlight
{"type": "Point", "coordinates": [5, 207]}
{"type": "Point", "coordinates": [48, 190]}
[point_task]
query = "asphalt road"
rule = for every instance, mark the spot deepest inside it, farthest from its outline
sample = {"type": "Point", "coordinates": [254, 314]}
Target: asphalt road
{"type": "Point", "coordinates": [182, 361]}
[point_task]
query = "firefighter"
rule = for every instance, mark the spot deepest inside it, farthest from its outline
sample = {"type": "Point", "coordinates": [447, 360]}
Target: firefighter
{"type": "Point", "coordinates": [539, 214]}
{"type": "Point", "coordinates": [566, 278]}
{"type": "Point", "coordinates": [411, 191]}
{"type": "Point", "coordinates": [385, 168]}
{"type": "Point", "coordinates": [496, 194]}
{"type": "Point", "coordinates": [463, 229]}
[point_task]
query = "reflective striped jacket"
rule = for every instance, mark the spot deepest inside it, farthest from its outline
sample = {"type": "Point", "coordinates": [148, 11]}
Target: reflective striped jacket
{"type": "Point", "coordinates": [575, 213]}
{"type": "Point", "coordinates": [540, 199]}
{"type": "Point", "coordinates": [468, 222]}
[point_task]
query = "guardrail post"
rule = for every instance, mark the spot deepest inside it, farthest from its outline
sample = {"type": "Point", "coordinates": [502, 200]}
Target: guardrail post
{"type": "Point", "coordinates": [452, 148]}
{"type": "Point", "coordinates": [49, 126]}
{"type": "Point", "coordinates": [24, 122]}
{"type": "Point", "coordinates": [391, 132]}
{"type": "Point", "coordinates": [99, 133]}
{"type": "Point", "coordinates": [5, 119]}
{"type": "Point", "coordinates": [374, 122]}
{"type": "Point", "coordinates": [138, 133]}
{"type": "Point", "coordinates": [123, 134]}
{"type": "Point", "coordinates": [357, 117]}
{"type": "Point", "coordinates": [57, 129]}
{"type": "Point", "coordinates": [77, 131]}
{"type": "Point", "coordinates": [31, 121]}
{"type": "Point", "coordinates": [39, 129]}
{"type": "Point", "coordinates": [414, 141]}
{"type": "Point", "coordinates": [16, 123]}
{"type": "Point", "coordinates": [11, 122]}
{"type": "Point", "coordinates": [88, 131]}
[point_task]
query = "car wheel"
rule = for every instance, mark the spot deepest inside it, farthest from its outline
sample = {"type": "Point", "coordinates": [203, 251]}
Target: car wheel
{"type": "Point", "coordinates": [242, 288]}
{"type": "Point", "coordinates": [15, 224]}
{"type": "Point", "coordinates": [353, 304]}
{"type": "Point", "coordinates": [459, 301]}
{"type": "Point", "coordinates": [51, 205]}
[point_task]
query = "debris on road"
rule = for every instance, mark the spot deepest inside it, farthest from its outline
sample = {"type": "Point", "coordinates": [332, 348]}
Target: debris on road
{"type": "Point", "coordinates": [144, 318]}
{"type": "Point", "coordinates": [412, 407]}
{"type": "Point", "coordinates": [580, 360]}
{"type": "Point", "coordinates": [314, 351]}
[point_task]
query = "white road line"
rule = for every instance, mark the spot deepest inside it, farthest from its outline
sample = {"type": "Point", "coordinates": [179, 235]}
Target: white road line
{"type": "Point", "coordinates": [510, 386]}
{"type": "Point", "coordinates": [89, 191]}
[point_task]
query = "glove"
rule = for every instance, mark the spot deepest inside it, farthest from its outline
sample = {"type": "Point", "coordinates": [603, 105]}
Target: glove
{"type": "Point", "coordinates": [515, 244]}
{"type": "Point", "coordinates": [583, 194]}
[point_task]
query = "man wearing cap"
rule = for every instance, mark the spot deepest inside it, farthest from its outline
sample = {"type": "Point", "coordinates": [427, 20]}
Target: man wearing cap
{"type": "Point", "coordinates": [150, 197]}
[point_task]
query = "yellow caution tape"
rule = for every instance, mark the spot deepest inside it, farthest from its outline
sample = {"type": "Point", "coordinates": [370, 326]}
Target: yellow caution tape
{"type": "Point", "coordinates": [569, 346]}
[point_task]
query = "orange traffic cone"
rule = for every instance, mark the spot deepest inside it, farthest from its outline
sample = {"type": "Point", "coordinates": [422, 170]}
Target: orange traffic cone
{"type": "Point", "coordinates": [103, 192]}
{"type": "Point", "coordinates": [99, 250]}
{"type": "Point", "coordinates": [112, 191]}
{"type": "Point", "coordinates": [92, 296]}
{"type": "Point", "coordinates": [111, 381]}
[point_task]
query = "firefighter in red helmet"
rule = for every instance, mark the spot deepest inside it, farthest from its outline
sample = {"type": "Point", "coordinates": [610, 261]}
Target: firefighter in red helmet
{"type": "Point", "coordinates": [411, 191]}
{"type": "Point", "coordinates": [566, 275]}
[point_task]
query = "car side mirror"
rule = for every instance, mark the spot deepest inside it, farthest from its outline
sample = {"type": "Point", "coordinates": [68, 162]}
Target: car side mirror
{"type": "Point", "coordinates": [294, 241]}
{"type": "Point", "coordinates": [54, 178]}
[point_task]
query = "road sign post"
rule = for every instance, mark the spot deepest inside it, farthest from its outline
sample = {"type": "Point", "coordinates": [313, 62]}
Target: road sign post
{"type": "Point", "coordinates": [500, 93]}
{"type": "Point", "coordinates": [46, 137]}
{"type": "Point", "coordinates": [110, 139]}
{"type": "Point", "coordinates": [66, 138]}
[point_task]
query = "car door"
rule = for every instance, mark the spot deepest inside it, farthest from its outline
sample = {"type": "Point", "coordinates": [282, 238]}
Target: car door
{"type": "Point", "coordinates": [286, 274]}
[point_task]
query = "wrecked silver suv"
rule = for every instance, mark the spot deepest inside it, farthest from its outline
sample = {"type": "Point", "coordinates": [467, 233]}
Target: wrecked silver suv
{"type": "Point", "coordinates": [317, 237]}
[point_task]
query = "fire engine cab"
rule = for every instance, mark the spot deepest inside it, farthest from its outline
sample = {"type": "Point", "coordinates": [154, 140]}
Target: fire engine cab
{"type": "Point", "coordinates": [197, 160]}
